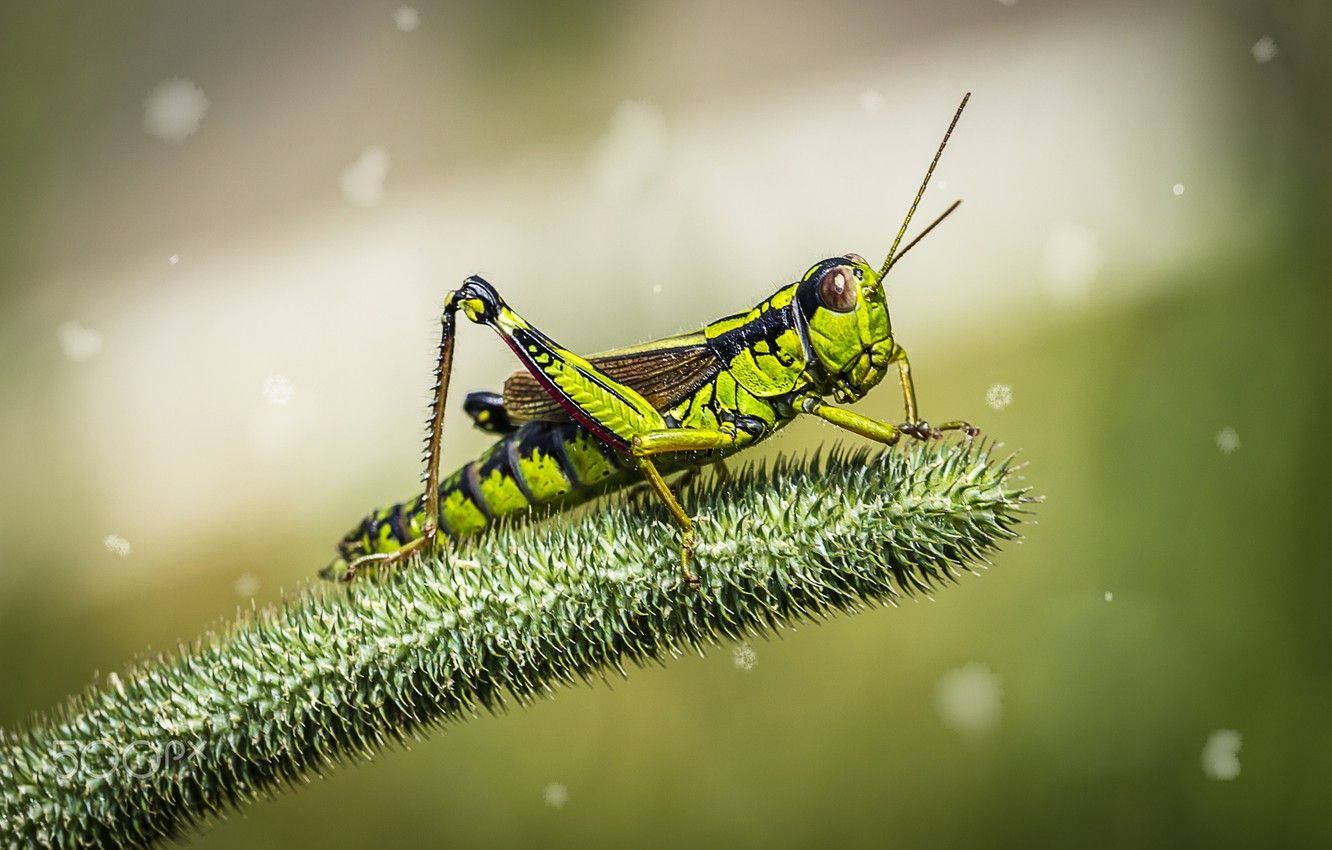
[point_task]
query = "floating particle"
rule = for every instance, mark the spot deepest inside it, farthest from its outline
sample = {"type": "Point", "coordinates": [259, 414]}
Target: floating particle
{"type": "Point", "coordinates": [1109, 596]}
{"type": "Point", "coordinates": [116, 545]}
{"type": "Point", "coordinates": [555, 795]}
{"type": "Point", "coordinates": [1178, 189]}
{"type": "Point", "coordinates": [969, 698]}
{"type": "Point", "coordinates": [744, 657]}
{"type": "Point", "coordinates": [1227, 440]}
{"type": "Point", "coordinates": [406, 18]}
{"type": "Point", "coordinates": [1220, 755]}
{"type": "Point", "coordinates": [277, 389]}
{"type": "Point", "coordinates": [999, 396]}
{"type": "Point", "coordinates": [1264, 50]}
{"type": "Point", "coordinates": [78, 341]}
{"type": "Point", "coordinates": [174, 109]}
{"type": "Point", "coordinates": [247, 585]}
{"type": "Point", "coordinates": [362, 182]}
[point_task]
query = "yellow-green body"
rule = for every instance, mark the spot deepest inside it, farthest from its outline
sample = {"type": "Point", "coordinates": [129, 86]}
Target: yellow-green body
{"type": "Point", "coordinates": [768, 358]}
{"type": "Point", "coordinates": [592, 425]}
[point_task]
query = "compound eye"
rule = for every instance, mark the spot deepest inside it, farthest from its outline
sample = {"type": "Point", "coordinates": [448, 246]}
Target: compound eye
{"type": "Point", "coordinates": [838, 290]}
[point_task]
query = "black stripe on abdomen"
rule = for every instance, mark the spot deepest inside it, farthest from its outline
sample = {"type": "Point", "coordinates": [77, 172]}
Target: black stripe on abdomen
{"type": "Point", "coordinates": [510, 452]}
{"type": "Point", "coordinates": [470, 484]}
{"type": "Point", "coordinates": [561, 456]}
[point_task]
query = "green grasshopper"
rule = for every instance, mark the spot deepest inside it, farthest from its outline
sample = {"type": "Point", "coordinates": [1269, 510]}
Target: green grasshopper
{"type": "Point", "coordinates": [573, 427]}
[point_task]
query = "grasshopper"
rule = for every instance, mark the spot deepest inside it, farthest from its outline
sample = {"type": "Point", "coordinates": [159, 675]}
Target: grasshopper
{"type": "Point", "coordinates": [573, 428]}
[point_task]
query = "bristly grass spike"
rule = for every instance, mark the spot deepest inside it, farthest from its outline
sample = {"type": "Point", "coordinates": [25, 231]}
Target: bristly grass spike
{"type": "Point", "coordinates": [572, 428]}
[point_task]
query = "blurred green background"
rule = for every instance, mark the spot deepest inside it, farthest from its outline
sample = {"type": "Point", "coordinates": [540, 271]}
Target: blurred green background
{"type": "Point", "coordinates": [225, 230]}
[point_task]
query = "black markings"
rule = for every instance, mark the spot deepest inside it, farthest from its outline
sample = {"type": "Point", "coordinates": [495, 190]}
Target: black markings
{"type": "Point", "coordinates": [397, 526]}
{"type": "Point", "coordinates": [800, 319]}
{"type": "Point", "coordinates": [502, 460]}
{"type": "Point", "coordinates": [370, 532]}
{"type": "Point", "coordinates": [353, 544]}
{"type": "Point", "coordinates": [488, 412]}
{"type": "Point", "coordinates": [479, 288]}
{"type": "Point", "coordinates": [767, 327]}
{"type": "Point", "coordinates": [751, 425]}
{"type": "Point", "coordinates": [510, 452]}
{"type": "Point", "coordinates": [562, 458]}
{"type": "Point", "coordinates": [470, 485]}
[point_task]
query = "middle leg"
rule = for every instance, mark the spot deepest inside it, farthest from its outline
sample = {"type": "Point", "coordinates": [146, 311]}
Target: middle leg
{"type": "Point", "coordinates": [666, 440]}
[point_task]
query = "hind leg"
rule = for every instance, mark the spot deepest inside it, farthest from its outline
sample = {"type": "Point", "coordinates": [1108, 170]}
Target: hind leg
{"type": "Point", "coordinates": [344, 570]}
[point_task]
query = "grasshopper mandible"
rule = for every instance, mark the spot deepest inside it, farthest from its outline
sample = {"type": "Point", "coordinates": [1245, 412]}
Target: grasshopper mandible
{"type": "Point", "coordinates": [574, 428]}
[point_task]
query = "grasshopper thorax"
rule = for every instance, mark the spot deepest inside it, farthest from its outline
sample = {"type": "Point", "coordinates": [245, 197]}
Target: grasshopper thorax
{"type": "Point", "coordinates": [846, 326]}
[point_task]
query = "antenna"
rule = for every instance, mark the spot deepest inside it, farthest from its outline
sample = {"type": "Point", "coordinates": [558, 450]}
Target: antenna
{"type": "Point", "coordinates": [919, 236]}
{"type": "Point", "coordinates": [892, 252]}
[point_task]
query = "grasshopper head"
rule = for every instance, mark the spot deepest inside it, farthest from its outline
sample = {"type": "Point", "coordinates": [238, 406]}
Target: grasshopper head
{"type": "Point", "coordinates": [849, 330]}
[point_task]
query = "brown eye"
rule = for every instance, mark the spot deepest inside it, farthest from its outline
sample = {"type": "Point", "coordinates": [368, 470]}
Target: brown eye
{"type": "Point", "coordinates": [838, 290]}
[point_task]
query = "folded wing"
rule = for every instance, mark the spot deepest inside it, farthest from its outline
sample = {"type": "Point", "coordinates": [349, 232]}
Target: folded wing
{"type": "Point", "coordinates": [663, 371]}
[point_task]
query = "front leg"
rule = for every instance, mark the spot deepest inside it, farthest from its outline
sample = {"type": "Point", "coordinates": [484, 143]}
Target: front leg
{"type": "Point", "coordinates": [857, 424]}
{"type": "Point", "coordinates": [874, 429]}
{"type": "Point", "coordinates": [665, 441]}
{"type": "Point", "coordinates": [915, 426]}
{"type": "Point", "coordinates": [908, 388]}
